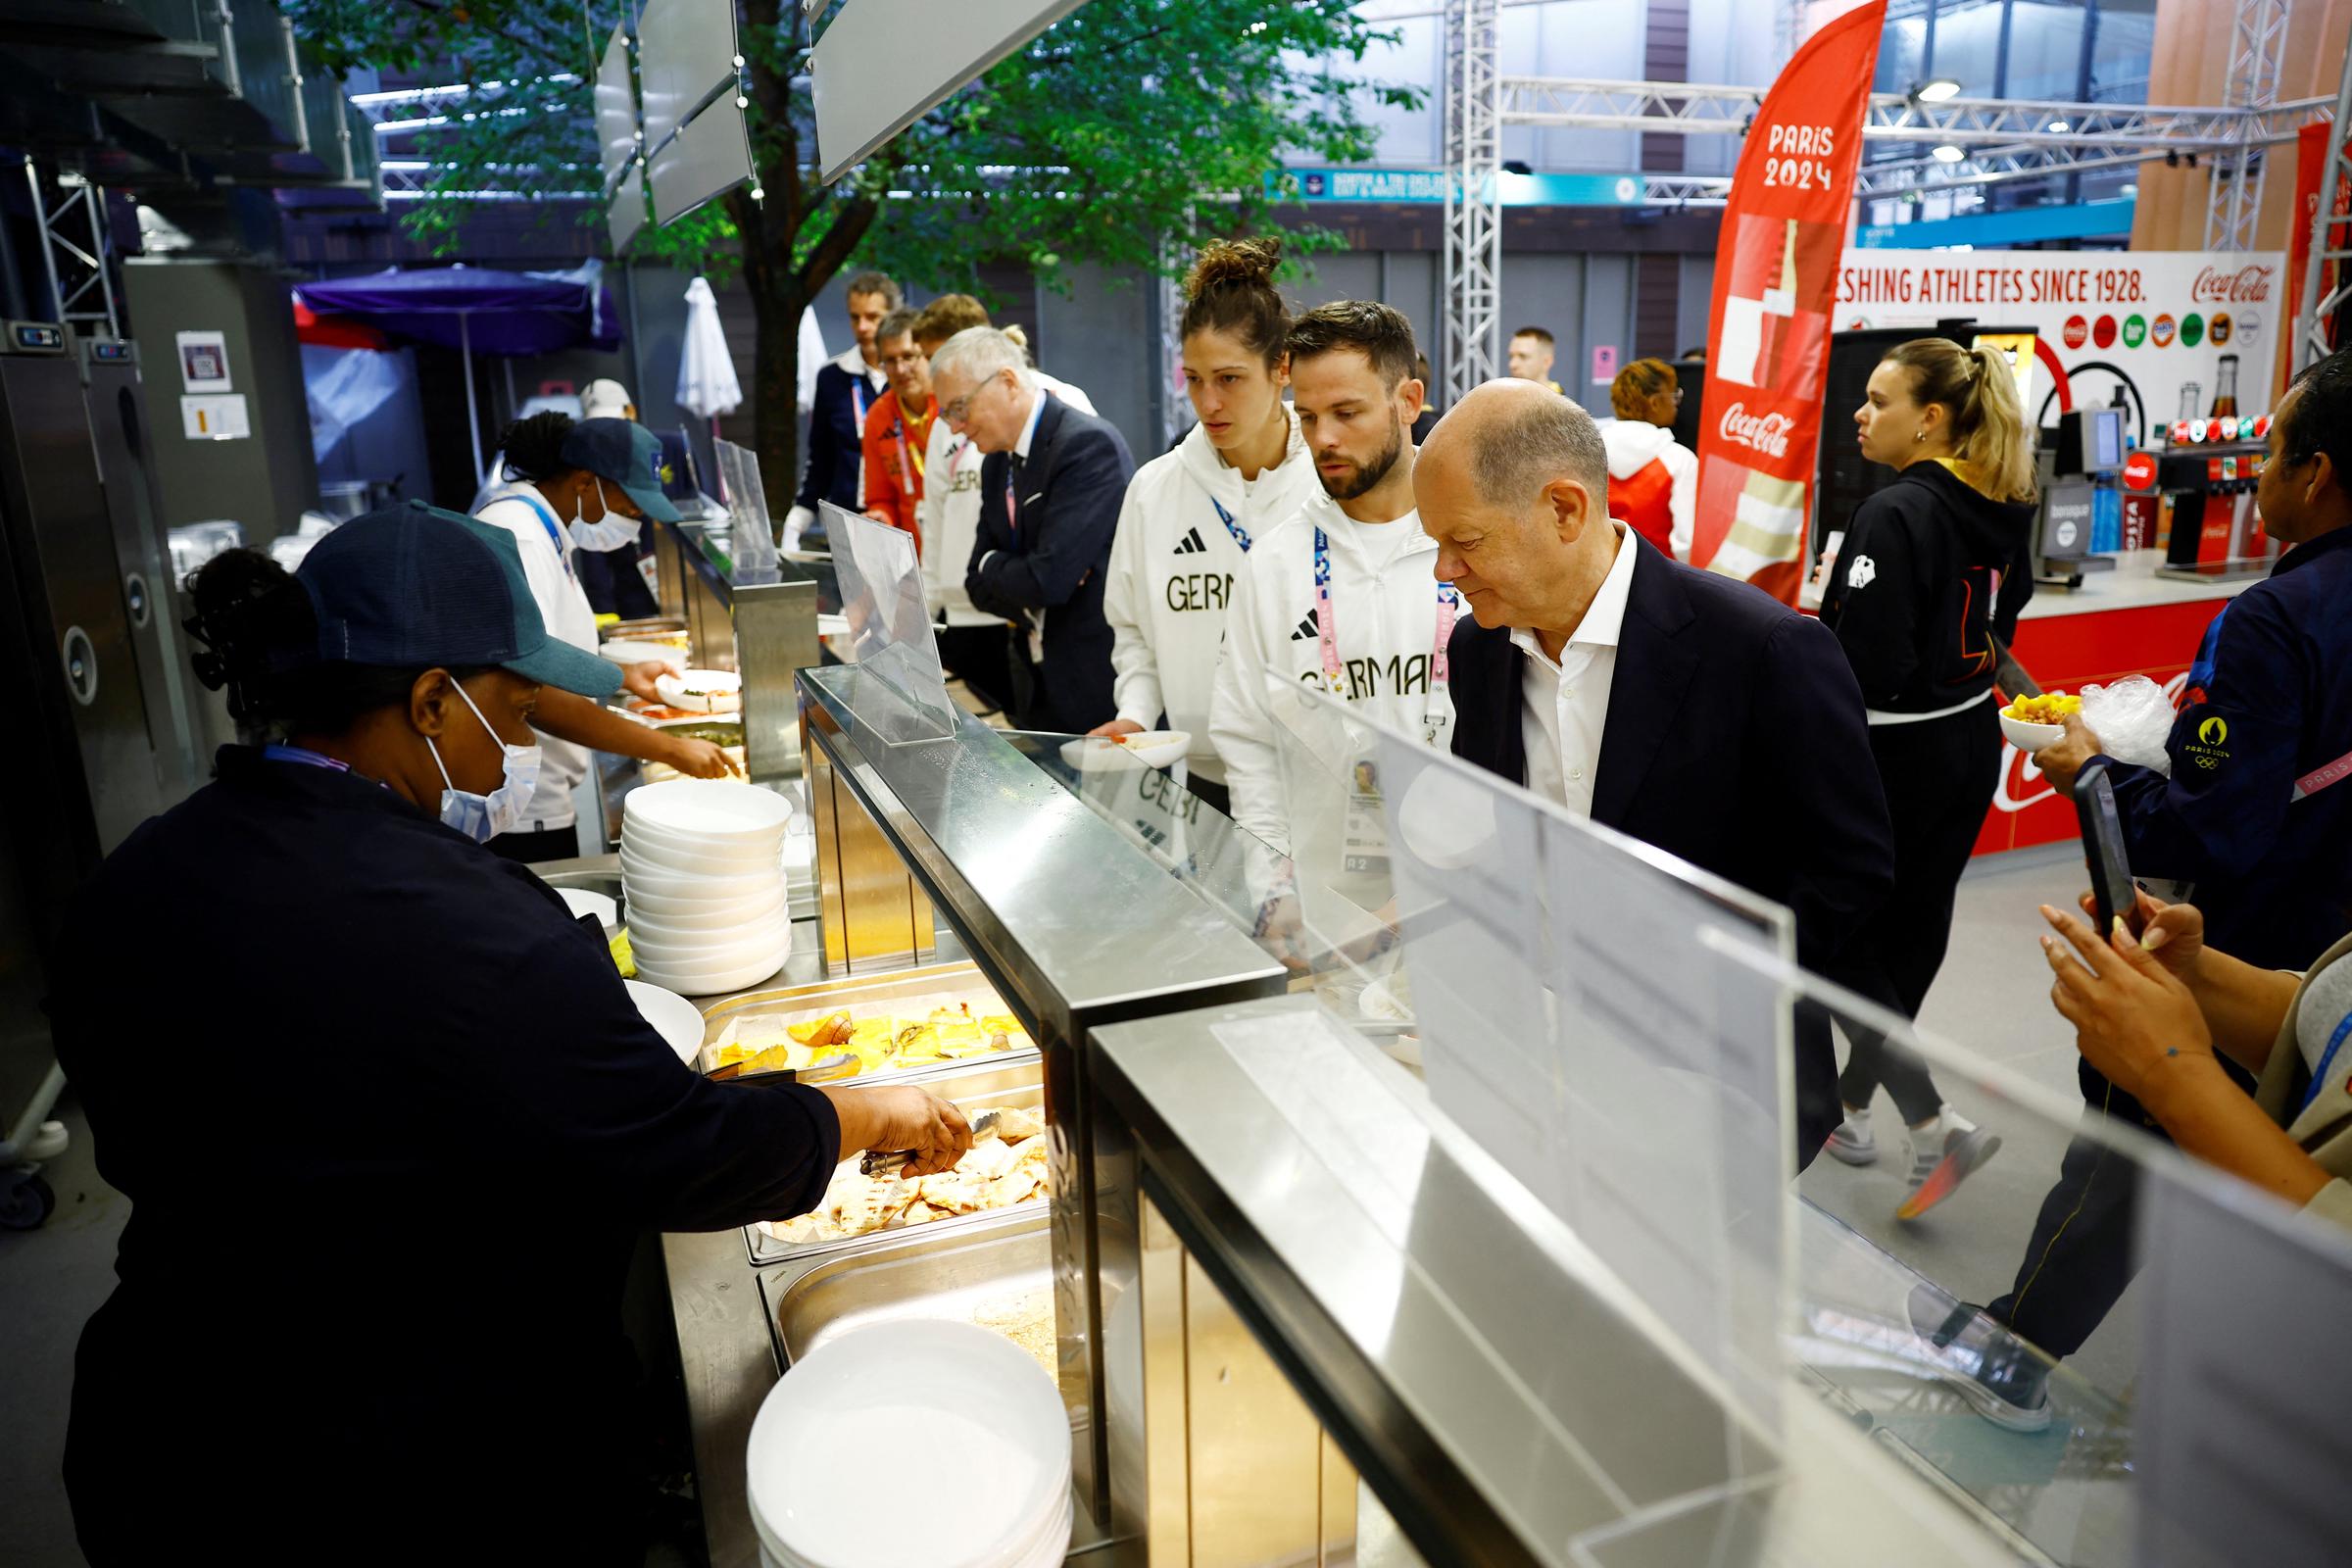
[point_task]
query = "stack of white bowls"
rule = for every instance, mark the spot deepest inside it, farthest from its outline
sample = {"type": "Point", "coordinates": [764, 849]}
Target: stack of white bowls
{"type": "Point", "coordinates": [829, 1458]}
{"type": "Point", "coordinates": [702, 866]}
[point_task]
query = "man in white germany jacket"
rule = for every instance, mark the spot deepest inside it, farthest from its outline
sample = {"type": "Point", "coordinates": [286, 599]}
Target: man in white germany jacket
{"type": "Point", "coordinates": [1192, 515]}
{"type": "Point", "coordinates": [1342, 594]}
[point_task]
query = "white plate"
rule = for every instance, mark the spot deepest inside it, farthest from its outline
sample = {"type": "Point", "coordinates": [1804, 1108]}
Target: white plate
{"type": "Point", "coordinates": [760, 932]}
{"type": "Point", "coordinates": [2030, 738]}
{"type": "Point", "coordinates": [739, 858]}
{"type": "Point", "coordinates": [670, 907]}
{"type": "Point", "coordinates": [694, 887]}
{"type": "Point", "coordinates": [580, 901]}
{"type": "Point", "coordinates": [694, 918]}
{"type": "Point", "coordinates": [1154, 748]}
{"type": "Point", "coordinates": [624, 653]}
{"type": "Point", "coordinates": [816, 1492]}
{"type": "Point", "coordinates": [697, 809]}
{"type": "Point", "coordinates": [746, 874]}
{"type": "Point", "coordinates": [713, 691]}
{"type": "Point", "coordinates": [677, 1020]}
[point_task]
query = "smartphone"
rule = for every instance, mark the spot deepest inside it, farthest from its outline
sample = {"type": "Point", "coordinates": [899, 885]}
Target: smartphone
{"type": "Point", "coordinates": [2113, 892]}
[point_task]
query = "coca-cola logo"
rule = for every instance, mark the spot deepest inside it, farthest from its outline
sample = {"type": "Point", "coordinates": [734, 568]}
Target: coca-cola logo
{"type": "Point", "coordinates": [2077, 331]}
{"type": "Point", "coordinates": [1767, 433]}
{"type": "Point", "coordinates": [2244, 287]}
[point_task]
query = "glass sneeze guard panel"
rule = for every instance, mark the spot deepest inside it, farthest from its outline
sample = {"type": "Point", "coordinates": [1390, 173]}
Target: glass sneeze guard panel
{"type": "Point", "coordinates": [890, 638]}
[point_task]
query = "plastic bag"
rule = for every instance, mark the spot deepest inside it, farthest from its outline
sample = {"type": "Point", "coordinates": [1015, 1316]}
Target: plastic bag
{"type": "Point", "coordinates": [2133, 718]}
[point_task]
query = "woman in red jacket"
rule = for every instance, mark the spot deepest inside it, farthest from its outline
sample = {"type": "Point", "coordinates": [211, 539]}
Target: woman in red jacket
{"type": "Point", "coordinates": [1653, 479]}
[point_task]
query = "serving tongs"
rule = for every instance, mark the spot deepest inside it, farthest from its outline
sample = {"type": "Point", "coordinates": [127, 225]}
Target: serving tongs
{"type": "Point", "coordinates": [883, 1161]}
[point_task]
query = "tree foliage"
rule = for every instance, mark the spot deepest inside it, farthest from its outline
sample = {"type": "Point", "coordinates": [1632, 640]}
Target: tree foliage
{"type": "Point", "coordinates": [1122, 134]}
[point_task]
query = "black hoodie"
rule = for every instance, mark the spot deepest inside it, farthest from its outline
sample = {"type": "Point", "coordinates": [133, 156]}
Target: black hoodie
{"type": "Point", "coordinates": [1930, 572]}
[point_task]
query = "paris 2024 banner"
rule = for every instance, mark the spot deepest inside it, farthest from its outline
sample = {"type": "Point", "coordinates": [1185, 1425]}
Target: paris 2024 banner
{"type": "Point", "coordinates": [1775, 285]}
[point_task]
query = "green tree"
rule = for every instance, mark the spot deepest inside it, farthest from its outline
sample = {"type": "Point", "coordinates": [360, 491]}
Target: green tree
{"type": "Point", "coordinates": [1128, 126]}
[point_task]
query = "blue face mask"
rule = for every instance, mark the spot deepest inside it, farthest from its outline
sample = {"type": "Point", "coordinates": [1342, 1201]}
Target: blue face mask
{"type": "Point", "coordinates": [483, 818]}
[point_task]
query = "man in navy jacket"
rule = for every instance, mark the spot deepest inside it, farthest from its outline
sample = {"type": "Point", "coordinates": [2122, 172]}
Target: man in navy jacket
{"type": "Point", "coordinates": [847, 386]}
{"type": "Point", "coordinates": [1684, 709]}
{"type": "Point", "coordinates": [1050, 482]}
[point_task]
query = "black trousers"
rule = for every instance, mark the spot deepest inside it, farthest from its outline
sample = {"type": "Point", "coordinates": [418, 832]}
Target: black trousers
{"type": "Point", "coordinates": [1938, 778]}
{"type": "Point", "coordinates": [981, 657]}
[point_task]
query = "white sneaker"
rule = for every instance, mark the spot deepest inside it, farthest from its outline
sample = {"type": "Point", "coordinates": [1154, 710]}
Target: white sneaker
{"type": "Point", "coordinates": [1853, 1142]}
{"type": "Point", "coordinates": [1944, 1153]}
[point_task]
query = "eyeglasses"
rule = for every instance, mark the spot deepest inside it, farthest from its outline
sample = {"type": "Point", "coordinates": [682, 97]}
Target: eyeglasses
{"type": "Point", "coordinates": [953, 413]}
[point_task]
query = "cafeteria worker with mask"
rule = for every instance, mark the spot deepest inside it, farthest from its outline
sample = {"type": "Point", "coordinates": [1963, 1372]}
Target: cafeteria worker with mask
{"type": "Point", "coordinates": [386, 1118]}
{"type": "Point", "coordinates": [583, 485]}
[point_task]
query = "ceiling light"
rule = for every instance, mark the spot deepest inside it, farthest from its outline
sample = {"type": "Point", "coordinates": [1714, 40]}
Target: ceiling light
{"type": "Point", "coordinates": [1936, 91]}
{"type": "Point", "coordinates": [1948, 154]}
{"type": "Point", "coordinates": [2060, 128]}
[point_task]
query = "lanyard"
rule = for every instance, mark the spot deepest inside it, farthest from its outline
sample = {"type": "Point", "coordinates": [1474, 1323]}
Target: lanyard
{"type": "Point", "coordinates": [1012, 517]}
{"type": "Point", "coordinates": [1240, 535]}
{"type": "Point", "coordinates": [547, 520]}
{"type": "Point", "coordinates": [2319, 1073]}
{"type": "Point", "coordinates": [862, 398]}
{"type": "Point", "coordinates": [909, 476]}
{"type": "Point", "coordinates": [304, 755]}
{"type": "Point", "coordinates": [1434, 718]}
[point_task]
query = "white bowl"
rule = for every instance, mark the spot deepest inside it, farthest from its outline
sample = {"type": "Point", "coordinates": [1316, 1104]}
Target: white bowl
{"type": "Point", "coordinates": [1155, 748]}
{"type": "Point", "coordinates": [638, 879]}
{"type": "Point", "coordinates": [674, 908]}
{"type": "Point", "coordinates": [624, 652]}
{"type": "Point", "coordinates": [580, 901]}
{"type": "Point", "coordinates": [702, 691]}
{"type": "Point", "coordinates": [677, 1020]}
{"type": "Point", "coordinates": [697, 917]}
{"type": "Point", "coordinates": [698, 980]}
{"type": "Point", "coordinates": [647, 934]}
{"type": "Point", "coordinates": [700, 808]}
{"type": "Point", "coordinates": [746, 874]}
{"type": "Point", "coordinates": [2030, 738]}
{"type": "Point", "coordinates": [816, 1492]}
{"type": "Point", "coordinates": [654, 847]}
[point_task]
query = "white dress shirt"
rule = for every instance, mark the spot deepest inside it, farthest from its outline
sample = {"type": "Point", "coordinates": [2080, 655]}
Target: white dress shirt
{"type": "Point", "coordinates": [1564, 706]}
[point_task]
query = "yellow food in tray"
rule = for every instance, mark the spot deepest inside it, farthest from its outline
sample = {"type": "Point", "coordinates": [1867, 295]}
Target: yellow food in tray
{"type": "Point", "coordinates": [1006, 1165]}
{"type": "Point", "coordinates": [875, 1043]}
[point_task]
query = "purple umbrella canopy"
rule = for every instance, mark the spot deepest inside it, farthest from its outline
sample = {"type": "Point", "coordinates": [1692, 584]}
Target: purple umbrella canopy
{"type": "Point", "coordinates": [480, 308]}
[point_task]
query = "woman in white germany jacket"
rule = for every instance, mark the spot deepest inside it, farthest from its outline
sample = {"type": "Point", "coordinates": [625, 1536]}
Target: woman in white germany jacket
{"type": "Point", "coordinates": [1376, 638]}
{"type": "Point", "coordinates": [1192, 513]}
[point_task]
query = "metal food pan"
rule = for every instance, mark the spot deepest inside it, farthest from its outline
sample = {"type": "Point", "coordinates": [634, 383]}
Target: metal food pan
{"type": "Point", "coordinates": [1015, 1080]}
{"type": "Point", "coordinates": [934, 984]}
{"type": "Point", "coordinates": [945, 1270]}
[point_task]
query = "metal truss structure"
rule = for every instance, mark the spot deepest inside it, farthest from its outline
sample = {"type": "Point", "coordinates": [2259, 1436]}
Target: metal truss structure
{"type": "Point", "coordinates": [1470, 350]}
{"type": "Point", "coordinates": [75, 269]}
{"type": "Point", "coordinates": [2317, 303]}
{"type": "Point", "coordinates": [2257, 44]}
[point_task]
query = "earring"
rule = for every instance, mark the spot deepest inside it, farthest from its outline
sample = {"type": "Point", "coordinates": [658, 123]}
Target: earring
{"type": "Point", "coordinates": [1917, 436]}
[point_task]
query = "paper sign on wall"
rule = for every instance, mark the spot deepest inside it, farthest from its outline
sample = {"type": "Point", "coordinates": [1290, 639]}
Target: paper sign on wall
{"type": "Point", "coordinates": [216, 418]}
{"type": "Point", "coordinates": [204, 362]}
{"type": "Point", "coordinates": [1604, 364]}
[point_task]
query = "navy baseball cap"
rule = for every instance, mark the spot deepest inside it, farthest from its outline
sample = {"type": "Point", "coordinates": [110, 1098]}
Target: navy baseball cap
{"type": "Point", "coordinates": [626, 453]}
{"type": "Point", "coordinates": [413, 586]}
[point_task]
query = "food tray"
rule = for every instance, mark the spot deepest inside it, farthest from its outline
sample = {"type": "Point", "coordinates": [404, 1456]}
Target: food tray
{"type": "Point", "coordinates": [941, 1270]}
{"type": "Point", "coordinates": [903, 992]}
{"type": "Point", "coordinates": [1000, 1081]}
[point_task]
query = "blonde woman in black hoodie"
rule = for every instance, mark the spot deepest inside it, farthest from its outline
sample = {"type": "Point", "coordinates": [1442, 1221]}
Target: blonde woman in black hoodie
{"type": "Point", "coordinates": [1933, 568]}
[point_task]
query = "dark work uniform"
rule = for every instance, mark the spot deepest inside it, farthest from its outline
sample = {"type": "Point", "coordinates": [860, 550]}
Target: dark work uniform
{"type": "Point", "coordinates": [836, 438]}
{"type": "Point", "coordinates": [389, 1123]}
{"type": "Point", "coordinates": [1930, 571]}
{"type": "Point", "coordinates": [2266, 716]}
{"type": "Point", "coordinates": [1043, 555]}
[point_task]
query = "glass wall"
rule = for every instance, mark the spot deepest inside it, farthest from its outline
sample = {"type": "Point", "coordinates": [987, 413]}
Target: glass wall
{"type": "Point", "coordinates": [2059, 51]}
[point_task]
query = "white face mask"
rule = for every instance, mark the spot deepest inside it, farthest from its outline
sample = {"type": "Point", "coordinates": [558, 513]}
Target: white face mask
{"type": "Point", "coordinates": [610, 534]}
{"type": "Point", "coordinates": [483, 818]}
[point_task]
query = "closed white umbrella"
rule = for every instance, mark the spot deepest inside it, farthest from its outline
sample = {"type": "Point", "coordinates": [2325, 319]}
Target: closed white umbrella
{"type": "Point", "coordinates": [707, 383]}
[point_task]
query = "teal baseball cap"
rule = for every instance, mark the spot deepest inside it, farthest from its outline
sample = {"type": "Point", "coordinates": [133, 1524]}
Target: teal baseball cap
{"type": "Point", "coordinates": [413, 586]}
{"type": "Point", "coordinates": [626, 453]}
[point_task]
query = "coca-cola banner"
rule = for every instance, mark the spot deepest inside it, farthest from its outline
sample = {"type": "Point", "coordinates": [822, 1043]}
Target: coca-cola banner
{"type": "Point", "coordinates": [1776, 277]}
{"type": "Point", "coordinates": [2166, 332]}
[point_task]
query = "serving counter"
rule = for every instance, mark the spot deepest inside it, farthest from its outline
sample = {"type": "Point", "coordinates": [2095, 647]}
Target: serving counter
{"type": "Point", "coordinates": [1298, 1311]}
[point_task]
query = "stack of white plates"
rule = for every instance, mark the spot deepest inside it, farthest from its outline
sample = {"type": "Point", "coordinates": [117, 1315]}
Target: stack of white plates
{"type": "Point", "coordinates": [702, 866]}
{"type": "Point", "coordinates": [827, 1456]}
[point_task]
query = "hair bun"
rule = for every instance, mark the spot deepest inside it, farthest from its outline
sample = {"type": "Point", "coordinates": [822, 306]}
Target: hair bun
{"type": "Point", "coordinates": [1015, 336]}
{"type": "Point", "coordinates": [1234, 263]}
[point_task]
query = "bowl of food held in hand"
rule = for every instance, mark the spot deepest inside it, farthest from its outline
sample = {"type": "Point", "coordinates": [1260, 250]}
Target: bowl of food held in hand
{"type": "Point", "coordinates": [702, 691]}
{"type": "Point", "coordinates": [1152, 748]}
{"type": "Point", "coordinates": [2037, 723]}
